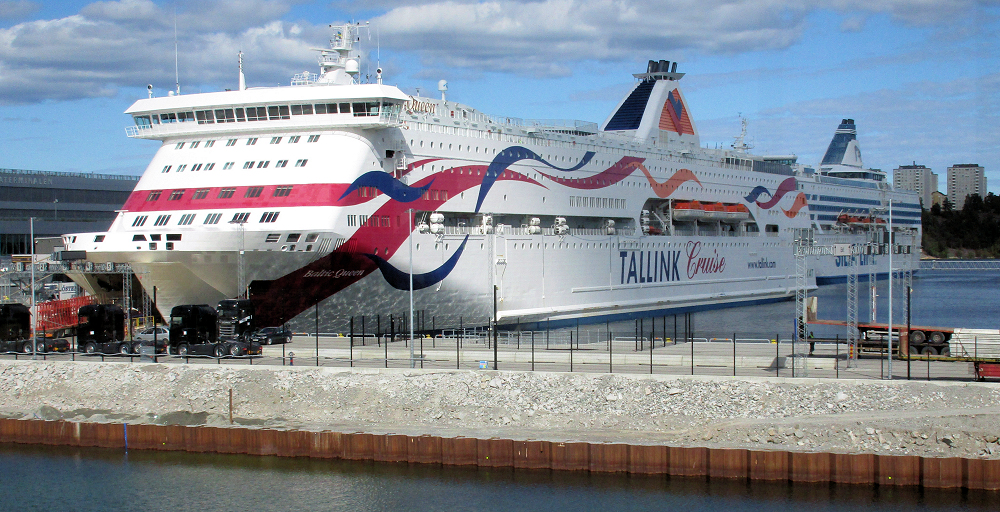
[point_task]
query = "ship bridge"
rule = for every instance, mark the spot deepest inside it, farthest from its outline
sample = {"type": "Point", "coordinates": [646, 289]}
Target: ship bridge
{"type": "Point", "coordinates": [363, 106]}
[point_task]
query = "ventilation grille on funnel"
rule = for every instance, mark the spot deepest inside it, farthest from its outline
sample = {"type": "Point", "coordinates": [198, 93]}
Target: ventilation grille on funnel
{"type": "Point", "coordinates": [629, 115]}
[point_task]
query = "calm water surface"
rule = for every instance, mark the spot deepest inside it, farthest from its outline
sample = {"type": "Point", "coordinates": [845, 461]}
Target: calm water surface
{"type": "Point", "coordinates": [940, 298]}
{"type": "Point", "coordinates": [90, 479]}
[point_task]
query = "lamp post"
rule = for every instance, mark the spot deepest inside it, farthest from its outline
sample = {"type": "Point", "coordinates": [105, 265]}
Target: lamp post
{"type": "Point", "coordinates": [241, 265]}
{"type": "Point", "coordinates": [409, 215]}
{"type": "Point", "coordinates": [34, 307]}
{"type": "Point", "coordinates": [891, 283]}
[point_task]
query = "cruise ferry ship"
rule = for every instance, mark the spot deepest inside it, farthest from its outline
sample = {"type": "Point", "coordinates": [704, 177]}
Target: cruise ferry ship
{"type": "Point", "coordinates": [356, 197]}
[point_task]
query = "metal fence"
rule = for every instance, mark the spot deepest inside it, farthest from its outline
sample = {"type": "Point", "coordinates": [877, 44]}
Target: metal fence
{"type": "Point", "coordinates": [575, 350]}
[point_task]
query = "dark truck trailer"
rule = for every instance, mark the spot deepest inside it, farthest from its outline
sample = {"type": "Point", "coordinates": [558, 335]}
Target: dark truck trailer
{"type": "Point", "coordinates": [101, 329]}
{"type": "Point", "coordinates": [15, 332]}
{"type": "Point", "coordinates": [15, 328]}
{"type": "Point", "coordinates": [194, 330]}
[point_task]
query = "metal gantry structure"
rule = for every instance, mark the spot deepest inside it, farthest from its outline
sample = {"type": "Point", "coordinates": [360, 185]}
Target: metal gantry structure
{"type": "Point", "coordinates": [805, 246]}
{"type": "Point", "coordinates": [15, 275]}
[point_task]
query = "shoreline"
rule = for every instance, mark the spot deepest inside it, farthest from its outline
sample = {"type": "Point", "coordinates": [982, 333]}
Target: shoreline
{"type": "Point", "coordinates": [744, 425]}
{"type": "Point", "coordinates": [733, 464]}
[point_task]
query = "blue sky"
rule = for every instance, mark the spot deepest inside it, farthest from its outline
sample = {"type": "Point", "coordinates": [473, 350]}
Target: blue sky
{"type": "Point", "coordinates": [920, 77]}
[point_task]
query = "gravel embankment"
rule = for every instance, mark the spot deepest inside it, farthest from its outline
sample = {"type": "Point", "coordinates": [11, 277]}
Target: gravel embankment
{"type": "Point", "coordinates": [845, 416]}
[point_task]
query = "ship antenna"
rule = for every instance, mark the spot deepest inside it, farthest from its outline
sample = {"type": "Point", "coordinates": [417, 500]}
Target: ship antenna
{"type": "Point", "coordinates": [243, 79]}
{"type": "Point", "coordinates": [177, 76]}
{"type": "Point", "coordinates": [740, 144]}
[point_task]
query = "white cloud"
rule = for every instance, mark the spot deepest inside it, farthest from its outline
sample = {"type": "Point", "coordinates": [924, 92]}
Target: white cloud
{"type": "Point", "coordinates": [16, 9]}
{"type": "Point", "coordinates": [541, 37]}
{"type": "Point", "coordinates": [853, 24]}
{"type": "Point", "coordinates": [111, 44]}
{"type": "Point", "coordinates": [131, 43]}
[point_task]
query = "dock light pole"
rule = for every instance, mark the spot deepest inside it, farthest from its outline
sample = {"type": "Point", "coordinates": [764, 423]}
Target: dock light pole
{"type": "Point", "coordinates": [892, 279]}
{"type": "Point", "coordinates": [34, 306]}
{"type": "Point", "coordinates": [241, 264]}
{"type": "Point", "coordinates": [409, 218]}
{"type": "Point", "coordinates": [495, 288]}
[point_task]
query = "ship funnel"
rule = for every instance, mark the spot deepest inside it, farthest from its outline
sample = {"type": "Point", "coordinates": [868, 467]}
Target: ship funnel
{"type": "Point", "coordinates": [651, 67]}
{"type": "Point", "coordinates": [674, 68]}
{"type": "Point", "coordinates": [664, 66]}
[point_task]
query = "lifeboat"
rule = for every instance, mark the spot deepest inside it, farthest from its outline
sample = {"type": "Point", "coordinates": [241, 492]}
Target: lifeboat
{"type": "Point", "coordinates": [715, 211]}
{"type": "Point", "coordinates": [737, 213]}
{"type": "Point", "coordinates": [688, 211]}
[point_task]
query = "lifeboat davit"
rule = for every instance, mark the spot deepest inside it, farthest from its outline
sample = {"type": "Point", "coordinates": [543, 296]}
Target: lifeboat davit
{"type": "Point", "coordinates": [688, 211]}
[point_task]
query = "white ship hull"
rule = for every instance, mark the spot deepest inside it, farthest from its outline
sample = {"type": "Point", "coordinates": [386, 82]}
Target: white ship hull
{"type": "Point", "coordinates": [543, 223]}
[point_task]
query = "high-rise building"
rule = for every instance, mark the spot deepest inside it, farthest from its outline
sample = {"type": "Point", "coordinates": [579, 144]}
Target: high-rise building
{"type": "Point", "coordinates": [963, 181]}
{"type": "Point", "coordinates": [917, 178]}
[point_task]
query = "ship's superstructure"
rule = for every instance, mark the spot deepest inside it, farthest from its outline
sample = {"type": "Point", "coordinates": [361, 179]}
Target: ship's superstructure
{"type": "Point", "coordinates": [348, 194]}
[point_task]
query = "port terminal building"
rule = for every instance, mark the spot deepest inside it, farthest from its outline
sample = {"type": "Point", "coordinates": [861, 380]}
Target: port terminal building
{"type": "Point", "coordinates": [60, 202]}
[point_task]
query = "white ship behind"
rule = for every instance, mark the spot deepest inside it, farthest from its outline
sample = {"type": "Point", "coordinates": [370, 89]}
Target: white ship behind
{"type": "Point", "coordinates": [341, 194]}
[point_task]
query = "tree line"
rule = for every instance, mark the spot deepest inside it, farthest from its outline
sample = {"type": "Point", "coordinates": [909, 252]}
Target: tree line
{"type": "Point", "coordinates": [972, 232]}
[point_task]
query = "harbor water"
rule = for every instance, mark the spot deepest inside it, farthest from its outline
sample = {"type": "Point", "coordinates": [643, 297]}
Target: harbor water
{"type": "Point", "coordinates": [91, 479]}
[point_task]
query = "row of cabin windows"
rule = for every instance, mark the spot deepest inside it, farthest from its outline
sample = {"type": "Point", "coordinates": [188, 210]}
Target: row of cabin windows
{"type": "Point", "coordinates": [597, 202]}
{"type": "Point", "coordinates": [263, 113]}
{"type": "Point", "coordinates": [212, 218]}
{"type": "Point", "coordinates": [224, 193]}
{"type": "Point", "coordinates": [156, 237]}
{"type": "Point", "coordinates": [263, 164]}
{"type": "Point", "coordinates": [195, 167]}
{"type": "Point", "coordinates": [374, 221]}
{"type": "Point", "coordinates": [251, 141]}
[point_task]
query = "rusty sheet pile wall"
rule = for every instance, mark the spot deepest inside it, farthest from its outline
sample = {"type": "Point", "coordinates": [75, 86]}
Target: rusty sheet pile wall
{"type": "Point", "coordinates": [569, 456]}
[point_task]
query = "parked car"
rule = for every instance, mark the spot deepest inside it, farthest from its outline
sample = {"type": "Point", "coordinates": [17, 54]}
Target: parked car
{"type": "Point", "coordinates": [146, 337]}
{"type": "Point", "coordinates": [272, 335]}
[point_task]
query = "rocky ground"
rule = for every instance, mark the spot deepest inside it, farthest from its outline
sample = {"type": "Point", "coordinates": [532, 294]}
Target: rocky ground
{"type": "Point", "coordinates": [845, 416]}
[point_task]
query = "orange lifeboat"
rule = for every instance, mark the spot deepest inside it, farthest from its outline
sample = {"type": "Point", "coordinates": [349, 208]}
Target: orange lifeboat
{"type": "Point", "coordinates": [737, 213]}
{"type": "Point", "coordinates": [715, 211]}
{"type": "Point", "coordinates": [688, 211]}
